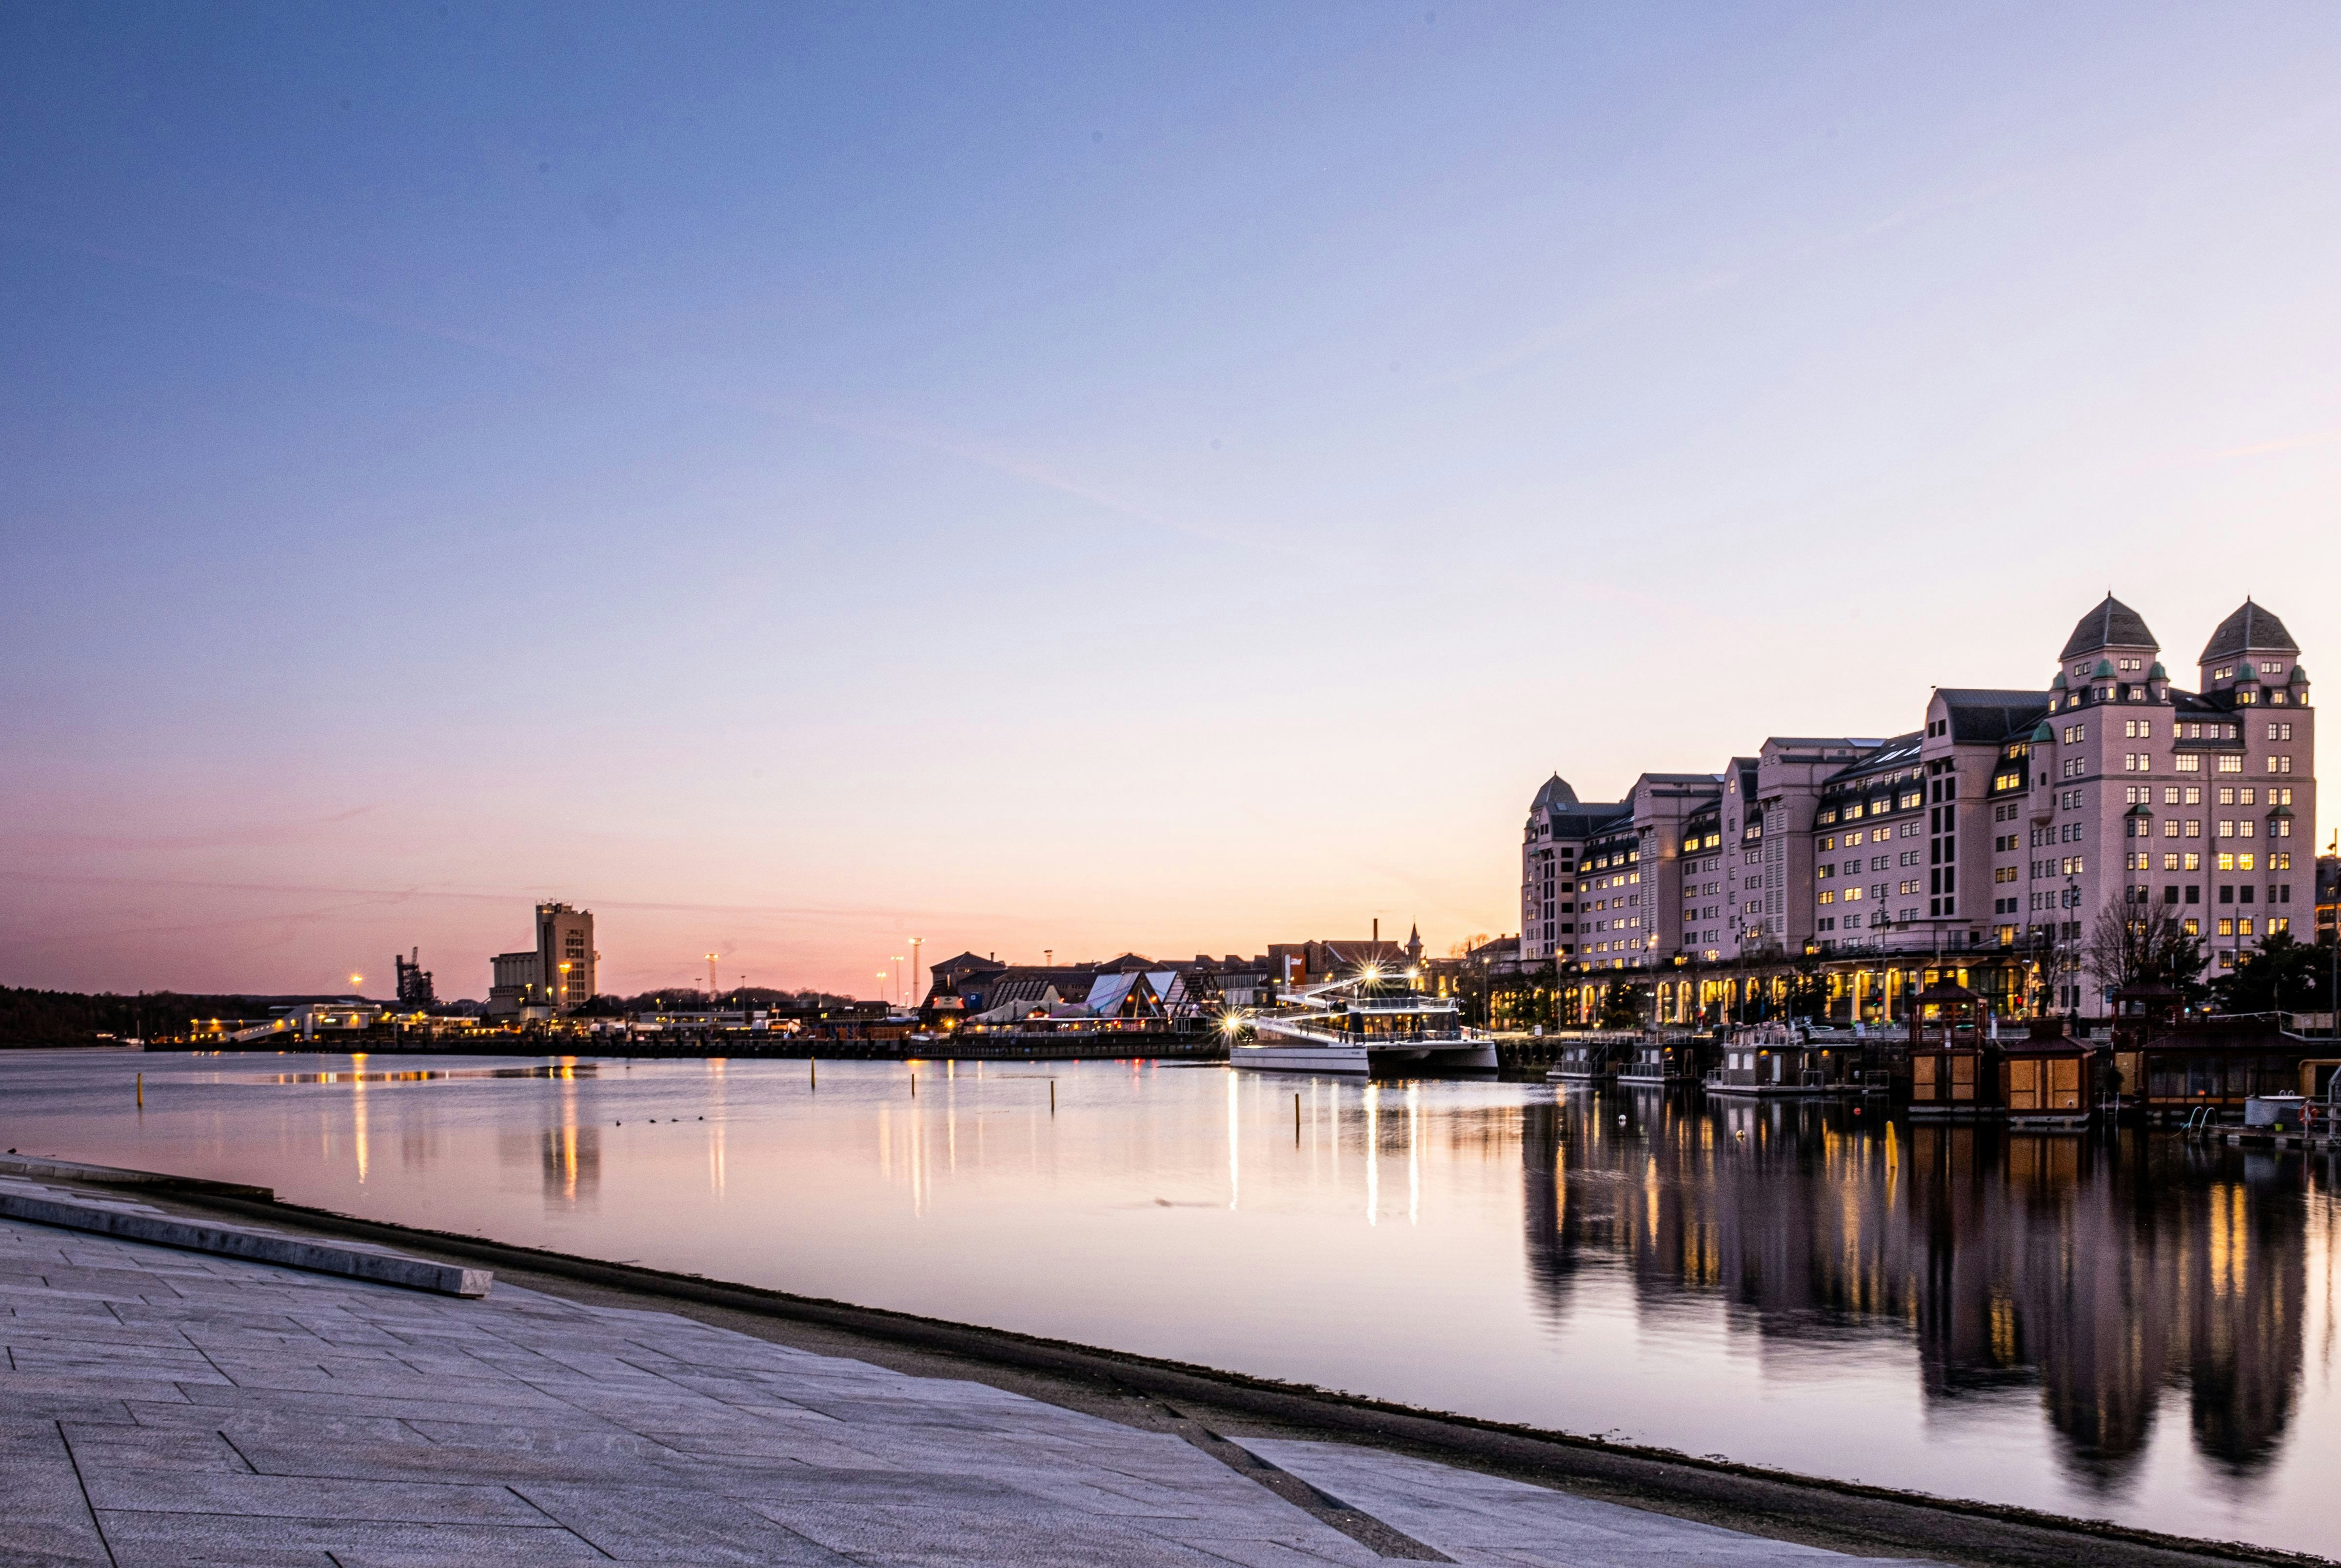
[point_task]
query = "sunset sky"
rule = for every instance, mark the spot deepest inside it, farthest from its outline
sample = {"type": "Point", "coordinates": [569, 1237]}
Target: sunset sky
{"type": "Point", "coordinates": [791, 478]}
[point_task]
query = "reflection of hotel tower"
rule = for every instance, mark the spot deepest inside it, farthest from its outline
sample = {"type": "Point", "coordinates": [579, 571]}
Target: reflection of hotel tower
{"type": "Point", "coordinates": [2101, 1273]}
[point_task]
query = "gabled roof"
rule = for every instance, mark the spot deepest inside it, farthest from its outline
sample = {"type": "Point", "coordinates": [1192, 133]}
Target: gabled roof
{"type": "Point", "coordinates": [967, 961]}
{"type": "Point", "coordinates": [2249, 629]}
{"type": "Point", "coordinates": [2112, 624]}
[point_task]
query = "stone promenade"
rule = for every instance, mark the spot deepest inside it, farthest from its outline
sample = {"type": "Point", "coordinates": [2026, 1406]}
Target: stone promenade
{"type": "Point", "coordinates": [172, 1408]}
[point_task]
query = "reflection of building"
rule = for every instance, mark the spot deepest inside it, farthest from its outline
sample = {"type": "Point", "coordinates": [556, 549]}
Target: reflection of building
{"type": "Point", "coordinates": [558, 975]}
{"type": "Point", "coordinates": [572, 1160]}
{"type": "Point", "coordinates": [2003, 1259]}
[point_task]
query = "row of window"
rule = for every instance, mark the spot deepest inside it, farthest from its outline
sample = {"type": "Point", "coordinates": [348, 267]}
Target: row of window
{"type": "Point", "coordinates": [2143, 730]}
{"type": "Point", "coordinates": [2192, 795]}
{"type": "Point", "coordinates": [1877, 835]}
{"type": "Point", "coordinates": [1880, 919]}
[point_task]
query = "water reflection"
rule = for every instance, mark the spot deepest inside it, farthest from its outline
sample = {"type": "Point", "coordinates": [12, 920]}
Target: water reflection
{"type": "Point", "coordinates": [2137, 1328]}
{"type": "Point", "coordinates": [2108, 1272]}
{"type": "Point", "coordinates": [359, 1075]}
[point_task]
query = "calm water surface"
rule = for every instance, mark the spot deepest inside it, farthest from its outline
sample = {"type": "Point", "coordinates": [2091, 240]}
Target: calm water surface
{"type": "Point", "coordinates": [2112, 1326]}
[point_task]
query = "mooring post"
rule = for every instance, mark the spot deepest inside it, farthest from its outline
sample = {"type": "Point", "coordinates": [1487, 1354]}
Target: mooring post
{"type": "Point", "coordinates": [1296, 1121]}
{"type": "Point", "coordinates": [1052, 1097]}
{"type": "Point", "coordinates": [813, 1072]}
{"type": "Point", "coordinates": [142, 1091]}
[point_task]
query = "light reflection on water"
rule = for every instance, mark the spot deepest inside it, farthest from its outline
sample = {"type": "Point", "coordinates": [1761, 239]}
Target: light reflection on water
{"type": "Point", "coordinates": [2116, 1325]}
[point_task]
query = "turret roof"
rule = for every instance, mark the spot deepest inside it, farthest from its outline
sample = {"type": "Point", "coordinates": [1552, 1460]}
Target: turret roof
{"type": "Point", "coordinates": [2112, 624]}
{"type": "Point", "coordinates": [1556, 796]}
{"type": "Point", "coordinates": [2249, 629]}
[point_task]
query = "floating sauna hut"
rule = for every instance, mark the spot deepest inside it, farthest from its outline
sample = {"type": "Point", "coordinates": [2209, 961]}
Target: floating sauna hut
{"type": "Point", "coordinates": [2169, 1067]}
{"type": "Point", "coordinates": [1588, 1059]}
{"type": "Point", "coordinates": [1656, 1061]}
{"type": "Point", "coordinates": [2048, 1080]}
{"type": "Point", "coordinates": [1776, 1059]}
{"type": "Point", "coordinates": [1948, 1075]}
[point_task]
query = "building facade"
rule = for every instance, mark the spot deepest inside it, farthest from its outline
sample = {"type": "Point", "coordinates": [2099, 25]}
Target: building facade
{"type": "Point", "coordinates": [1985, 840]}
{"type": "Point", "coordinates": [558, 973]}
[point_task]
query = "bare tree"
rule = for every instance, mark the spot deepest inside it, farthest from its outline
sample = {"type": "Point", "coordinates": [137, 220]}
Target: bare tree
{"type": "Point", "coordinates": [2130, 943]}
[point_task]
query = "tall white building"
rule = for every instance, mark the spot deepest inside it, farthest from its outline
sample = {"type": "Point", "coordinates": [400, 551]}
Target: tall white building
{"type": "Point", "coordinates": [2000, 825]}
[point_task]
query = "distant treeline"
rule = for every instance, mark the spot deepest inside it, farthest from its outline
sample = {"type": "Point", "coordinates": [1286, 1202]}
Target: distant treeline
{"type": "Point", "coordinates": [30, 1017]}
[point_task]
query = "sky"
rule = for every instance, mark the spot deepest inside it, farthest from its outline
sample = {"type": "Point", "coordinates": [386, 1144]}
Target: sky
{"type": "Point", "coordinates": [1078, 479]}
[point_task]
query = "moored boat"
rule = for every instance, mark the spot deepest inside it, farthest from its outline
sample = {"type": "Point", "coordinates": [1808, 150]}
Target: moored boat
{"type": "Point", "coordinates": [1369, 1022]}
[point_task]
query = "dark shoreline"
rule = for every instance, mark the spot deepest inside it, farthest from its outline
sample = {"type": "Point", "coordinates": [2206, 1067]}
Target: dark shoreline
{"type": "Point", "coordinates": [1149, 1391]}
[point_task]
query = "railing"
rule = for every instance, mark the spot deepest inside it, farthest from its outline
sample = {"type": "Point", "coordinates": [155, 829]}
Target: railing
{"type": "Point", "coordinates": [1296, 1031]}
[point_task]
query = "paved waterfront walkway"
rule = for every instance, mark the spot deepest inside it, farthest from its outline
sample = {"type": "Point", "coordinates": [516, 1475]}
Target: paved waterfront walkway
{"type": "Point", "coordinates": [162, 1407]}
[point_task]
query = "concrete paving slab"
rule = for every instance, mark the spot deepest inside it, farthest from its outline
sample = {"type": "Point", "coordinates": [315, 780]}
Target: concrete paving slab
{"type": "Point", "coordinates": [660, 1524]}
{"type": "Point", "coordinates": [257, 1496]}
{"type": "Point", "coordinates": [97, 1447]}
{"type": "Point", "coordinates": [44, 1517]}
{"type": "Point", "coordinates": [170, 1540]}
{"type": "Point", "coordinates": [1484, 1519]}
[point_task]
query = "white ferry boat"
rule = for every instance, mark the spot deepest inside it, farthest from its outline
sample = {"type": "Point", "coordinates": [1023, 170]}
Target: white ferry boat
{"type": "Point", "coordinates": [1369, 1023]}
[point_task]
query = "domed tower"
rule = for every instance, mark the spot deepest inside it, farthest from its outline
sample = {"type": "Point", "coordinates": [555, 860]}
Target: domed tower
{"type": "Point", "coordinates": [1547, 869]}
{"type": "Point", "coordinates": [1556, 796]}
{"type": "Point", "coordinates": [2251, 655]}
{"type": "Point", "coordinates": [2109, 658]}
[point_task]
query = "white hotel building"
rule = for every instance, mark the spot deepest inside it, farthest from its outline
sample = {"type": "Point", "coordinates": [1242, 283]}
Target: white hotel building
{"type": "Point", "coordinates": [1988, 836]}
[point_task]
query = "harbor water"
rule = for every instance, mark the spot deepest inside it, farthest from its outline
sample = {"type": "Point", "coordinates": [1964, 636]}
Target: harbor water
{"type": "Point", "coordinates": [2118, 1325]}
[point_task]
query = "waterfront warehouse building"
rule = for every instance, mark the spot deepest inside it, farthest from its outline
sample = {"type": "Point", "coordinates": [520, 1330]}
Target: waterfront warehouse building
{"type": "Point", "coordinates": [1983, 840]}
{"type": "Point", "coordinates": [557, 973]}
